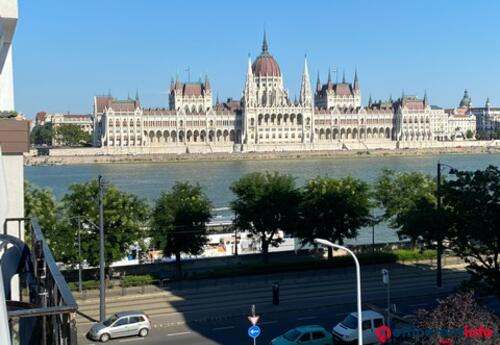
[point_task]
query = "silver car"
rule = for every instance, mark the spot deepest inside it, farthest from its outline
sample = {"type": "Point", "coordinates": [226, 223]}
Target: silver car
{"type": "Point", "coordinates": [121, 324]}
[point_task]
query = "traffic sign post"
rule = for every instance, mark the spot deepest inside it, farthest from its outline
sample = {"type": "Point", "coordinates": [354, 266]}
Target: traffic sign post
{"type": "Point", "coordinates": [254, 332]}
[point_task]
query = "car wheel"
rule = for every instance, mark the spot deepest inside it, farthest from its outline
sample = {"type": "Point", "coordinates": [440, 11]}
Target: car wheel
{"type": "Point", "coordinates": [143, 332]}
{"type": "Point", "coordinates": [104, 338]}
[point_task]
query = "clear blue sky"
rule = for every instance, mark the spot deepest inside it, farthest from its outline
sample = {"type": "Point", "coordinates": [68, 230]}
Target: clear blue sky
{"type": "Point", "coordinates": [67, 51]}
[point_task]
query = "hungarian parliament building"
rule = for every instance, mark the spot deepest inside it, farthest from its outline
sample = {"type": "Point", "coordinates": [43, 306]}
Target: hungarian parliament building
{"type": "Point", "coordinates": [329, 116]}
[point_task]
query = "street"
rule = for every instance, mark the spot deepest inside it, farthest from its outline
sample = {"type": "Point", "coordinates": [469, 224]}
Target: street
{"type": "Point", "coordinates": [209, 316]}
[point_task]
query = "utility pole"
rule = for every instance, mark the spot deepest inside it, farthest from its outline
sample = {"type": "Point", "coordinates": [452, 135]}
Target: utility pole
{"type": "Point", "coordinates": [439, 282]}
{"type": "Point", "coordinates": [102, 297]}
{"type": "Point", "coordinates": [79, 258]}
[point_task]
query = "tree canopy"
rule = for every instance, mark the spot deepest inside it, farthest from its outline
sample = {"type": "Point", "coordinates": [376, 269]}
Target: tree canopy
{"type": "Point", "coordinates": [71, 135]}
{"type": "Point", "coordinates": [178, 222]}
{"type": "Point", "coordinates": [40, 203]}
{"type": "Point", "coordinates": [473, 202]}
{"type": "Point", "coordinates": [334, 209]}
{"type": "Point", "coordinates": [405, 196]}
{"type": "Point", "coordinates": [42, 135]}
{"type": "Point", "coordinates": [124, 218]}
{"type": "Point", "coordinates": [266, 203]}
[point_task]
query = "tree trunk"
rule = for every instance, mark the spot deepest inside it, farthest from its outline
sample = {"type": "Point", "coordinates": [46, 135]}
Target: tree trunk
{"type": "Point", "coordinates": [265, 251]}
{"type": "Point", "coordinates": [330, 253]}
{"type": "Point", "coordinates": [178, 265]}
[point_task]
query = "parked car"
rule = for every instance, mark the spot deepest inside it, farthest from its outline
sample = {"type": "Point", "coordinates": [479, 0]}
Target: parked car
{"type": "Point", "coordinates": [346, 332]}
{"type": "Point", "coordinates": [305, 335]}
{"type": "Point", "coordinates": [121, 324]}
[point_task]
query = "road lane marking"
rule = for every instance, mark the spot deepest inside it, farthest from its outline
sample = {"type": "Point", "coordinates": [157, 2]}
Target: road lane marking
{"type": "Point", "coordinates": [306, 318]}
{"type": "Point", "coordinates": [222, 328]}
{"type": "Point", "coordinates": [178, 333]}
{"type": "Point", "coordinates": [129, 340]}
{"type": "Point", "coordinates": [267, 322]}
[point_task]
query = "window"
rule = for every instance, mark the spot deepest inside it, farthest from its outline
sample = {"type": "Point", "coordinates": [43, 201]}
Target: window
{"type": "Point", "coordinates": [366, 325]}
{"type": "Point", "coordinates": [318, 335]}
{"type": "Point", "coordinates": [136, 319]}
{"type": "Point", "coordinates": [305, 337]}
{"type": "Point", "coordinates": [377, 323]}
{"type": "Point", "coordinates": [123, 321]}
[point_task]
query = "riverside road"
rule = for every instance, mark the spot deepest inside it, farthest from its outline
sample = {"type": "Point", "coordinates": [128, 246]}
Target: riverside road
{"type": "Point", "coordinates": [210, 315]}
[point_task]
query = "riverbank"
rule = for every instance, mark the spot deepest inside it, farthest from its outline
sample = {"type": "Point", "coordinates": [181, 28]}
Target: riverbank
{"type": "Point", "coordinates": [236, 156]}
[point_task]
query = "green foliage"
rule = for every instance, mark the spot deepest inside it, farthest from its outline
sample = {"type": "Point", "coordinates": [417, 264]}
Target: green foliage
{"type": "Point", "coordinates": [124, 217]}
{"type": "Point", "coordinates": [469, 134]}
{"type": "Point", "coordinates": [488, 135]}
{"type": "Point", "coordinates": [8, 114]}
{"type": "Point", "coordinates": [473, 202]}
{"type": "Point", "coordinates": [71, 135]}
{"type": "Point", "coordinates": [136, 280]}
{"type": "Point", "coordinates": [334, 209]}
{"type": "Point", "coordinates": [265, 203]}
{"type": "Point", "coordinates": [409, 200]}
{"type": "Point", "coordinates": [42, 135]}
{"type": "Point", "coordinates": [414, 255]}
{"type": "Point", "coordinates": [90, 285]}
{"type": "Point", "coordinates": [178, 220]}
{"type": "Point", "coordinates": [40, 203]}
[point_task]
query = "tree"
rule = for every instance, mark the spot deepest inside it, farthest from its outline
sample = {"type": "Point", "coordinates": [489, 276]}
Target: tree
{"type": "Point", "coordinates": [124, 219]}
{"type": "Point", "coordinates": [178, 223]}
{"type": "Point", "coordinates": [456, 312]}
{"type": "Point", "coordinates": [40, 203]}
{"type": "Point", "coordinates": [469, 134]}
{"type": "Point", "coordinates": [334, 209]}
{"type": "Point", "coordinates": [403, 196]}
{"type": "Point", "coordinates": [266, 203]}
{"type": "Point", "coordinates": [71, 135]}
{"type": "Point", "coordinates": [42, 135]}
{"type": "Point", "coordinates": [473, 200]}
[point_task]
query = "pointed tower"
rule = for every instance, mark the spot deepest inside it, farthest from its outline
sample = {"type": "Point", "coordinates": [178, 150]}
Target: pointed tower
{"type": "Point", "coordinates": [137, 95]}
{"type": "Point", "coordinates": [356, 82]}
{"type": "Point", "coordinates": [426, 101]}
{"type": "Point", "coordinates": [488, 104]}
{"type": "Point", "coordinates": [250, 92]}
{"type": "Point", "coordinates": [370, 102]}
{"type": "Point", "coordinates": [207, 83]}
{"type": "Point", "coordinates": [318, 84]}
{"type": "Point", "coordinates": [329, 83]}
{"type": "Point", "coordinates": [343, 77]}
{"type": "Point", "coordinates": [172, 85]}
{"type": "Point", "coordinates": [265, 48]}
{"type": "Point", "coordinates": [305, 87]}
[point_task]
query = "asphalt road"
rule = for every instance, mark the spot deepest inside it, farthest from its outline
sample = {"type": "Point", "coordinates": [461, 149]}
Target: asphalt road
{"type": "Point", "coordinates": [233, 331]}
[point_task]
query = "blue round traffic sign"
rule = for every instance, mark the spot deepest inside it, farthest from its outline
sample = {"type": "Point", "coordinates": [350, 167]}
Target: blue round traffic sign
{"type": "Point", "coordinates": [254, 331]}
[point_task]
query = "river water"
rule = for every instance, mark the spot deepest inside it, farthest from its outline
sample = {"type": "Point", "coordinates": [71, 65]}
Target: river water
{"type": "Point", "coordinates": [149, 179]}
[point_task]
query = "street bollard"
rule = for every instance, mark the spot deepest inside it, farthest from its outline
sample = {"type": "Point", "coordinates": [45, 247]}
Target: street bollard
{"type": "Point", "coordinates": [276, 293]}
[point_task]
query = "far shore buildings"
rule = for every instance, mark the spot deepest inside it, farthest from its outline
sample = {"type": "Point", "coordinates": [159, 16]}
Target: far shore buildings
{"type": "Point", "coordinates": [329, 116]}
{"type": "Point", "coordinates": [55, 120]}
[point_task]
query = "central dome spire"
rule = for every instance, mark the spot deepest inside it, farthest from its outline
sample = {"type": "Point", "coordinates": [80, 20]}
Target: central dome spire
{"type": "Point", "coordinates": [264, 43]}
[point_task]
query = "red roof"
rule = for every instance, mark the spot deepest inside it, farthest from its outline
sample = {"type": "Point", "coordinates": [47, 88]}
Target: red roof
{"type": "Point", "coordinates": [265, 65]}
{"type": "Point", "coordinates": [343, 89]}
{"type": "Point", "coordinates": [102, 102]}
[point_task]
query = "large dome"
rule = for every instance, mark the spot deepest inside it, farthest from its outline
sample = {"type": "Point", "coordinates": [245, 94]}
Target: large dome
{"type": "Point", "coordinates": [265, 65]}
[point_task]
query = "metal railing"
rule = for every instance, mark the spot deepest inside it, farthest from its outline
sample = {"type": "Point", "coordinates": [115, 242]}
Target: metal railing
{"type": "Point", "coordinates": [53, 308]}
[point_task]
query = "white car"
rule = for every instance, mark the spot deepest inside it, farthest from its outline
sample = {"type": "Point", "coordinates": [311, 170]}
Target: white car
{"type": "Point", "coordinates": [346, 332]}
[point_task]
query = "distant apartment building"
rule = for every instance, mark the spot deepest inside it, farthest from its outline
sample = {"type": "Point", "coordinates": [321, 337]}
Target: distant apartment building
{"type": "Point", "coordinates": [85, 121]}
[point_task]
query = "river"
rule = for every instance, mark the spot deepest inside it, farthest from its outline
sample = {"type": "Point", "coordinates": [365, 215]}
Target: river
{"type": "Point", "coordinates": [149, 179]}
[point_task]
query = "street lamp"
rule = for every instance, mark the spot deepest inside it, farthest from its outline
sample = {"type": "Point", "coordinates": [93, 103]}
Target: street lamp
{"type": "Point", "coordinates": [439, 277]}
{"type": "Point", "coordinates": [358, 280]}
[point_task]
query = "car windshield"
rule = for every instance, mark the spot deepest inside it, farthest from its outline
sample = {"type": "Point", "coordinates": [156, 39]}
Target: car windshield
{"type": "Point", "coordinates": [351, 322]}
{"type": "Point", "coordinates": [109, 321]}
{"type": "Point", "coordinates": [291, 335]}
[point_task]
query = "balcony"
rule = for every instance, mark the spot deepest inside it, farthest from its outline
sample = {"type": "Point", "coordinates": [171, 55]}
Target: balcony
{"type": "Point", "coordinates": [45, 313]}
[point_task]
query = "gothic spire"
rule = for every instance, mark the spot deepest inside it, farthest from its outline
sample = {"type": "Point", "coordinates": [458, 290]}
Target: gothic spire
{"type": "Point", "coordinates": [370, 101]}
{"type": "Point", "coordinates": [305, 88]}
{"type": "Point", "coordinates": [426, 101]}
{"type": "Point", "coordinates": [207, 82]}
{"type": "Point", "coordinates": [264, 43]}
{"type": "Point", "coordinates": [329, 75]}
{"type": "Point", "coordinates": [136, 94]}
{"type": "Point", "coordinates": [318, 84]}
{"type": "Point", "coordinates": [343, 77]}
{"type": "Point", "coordinates": [356, 82]}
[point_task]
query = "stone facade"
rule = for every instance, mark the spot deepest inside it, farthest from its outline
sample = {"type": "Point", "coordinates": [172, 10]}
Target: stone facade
{"type": "Point", "coordinates": [265, 118]}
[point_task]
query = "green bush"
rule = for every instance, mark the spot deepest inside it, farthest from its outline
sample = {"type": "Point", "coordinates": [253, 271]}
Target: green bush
{"type": "Point", "coordinates": [89, 285]}
{"type": "Point", "coordinates": [136, 280]}
{"type": "Point", "coordinates": [414, 254]}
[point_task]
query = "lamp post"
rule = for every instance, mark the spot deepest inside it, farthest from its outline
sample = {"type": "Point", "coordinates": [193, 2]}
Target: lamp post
{"type": "Point", "coordinates": [102, 278]}
{"type": "Point", "coordinates": [439, 277]}
{"type": "Point", "coordinates": [358, 280]}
